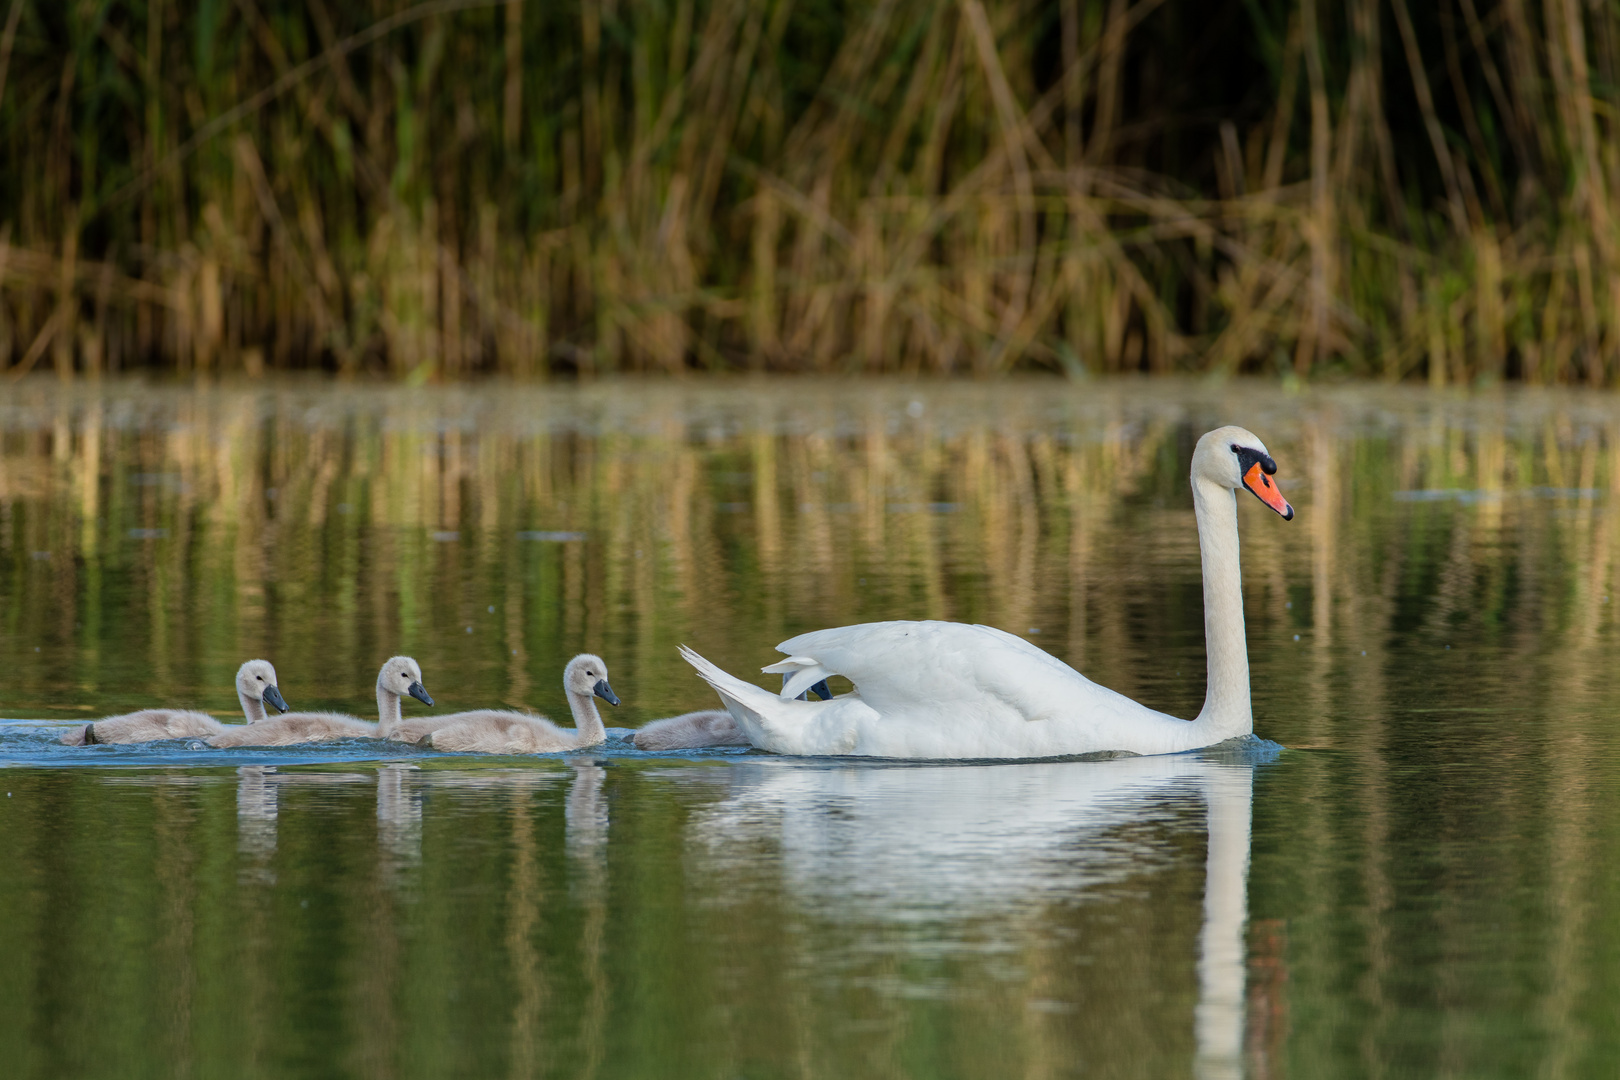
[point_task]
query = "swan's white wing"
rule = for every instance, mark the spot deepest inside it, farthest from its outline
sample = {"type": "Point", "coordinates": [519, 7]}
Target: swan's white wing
{"type": "Point", "coordinates": [800, 674]}
{"type": "Point", "coordinates": [944, 669]}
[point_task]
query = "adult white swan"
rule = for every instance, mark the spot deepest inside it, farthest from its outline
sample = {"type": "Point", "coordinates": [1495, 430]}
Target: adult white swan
{"type": "Point", "coordinates": [950, 690]}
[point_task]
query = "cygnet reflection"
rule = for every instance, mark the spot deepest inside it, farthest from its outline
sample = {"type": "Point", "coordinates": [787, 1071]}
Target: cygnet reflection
{"type": "Point", "coordinates": [401, 788]}
{"type": "Point", "coordinates": [912, 844]}
{"type": "Point", "coordinates": [399, 819]}
{"type": "Point", "coordinates": [587, 810]}
{"type": "Point", "coordinates": [258, 808]}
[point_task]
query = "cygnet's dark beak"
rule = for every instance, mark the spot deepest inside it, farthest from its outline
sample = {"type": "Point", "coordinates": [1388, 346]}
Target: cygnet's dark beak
{"type": "Point", "coordinates": [419, 692]}
{"type": "Point", "coordinates": [273, 697]}
{"type": "Point", "coordinates": [90, 735]}
{"type": "Point", "coordinates": [605, 692]}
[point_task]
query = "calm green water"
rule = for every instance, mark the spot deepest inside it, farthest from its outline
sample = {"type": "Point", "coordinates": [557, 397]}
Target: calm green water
{"type": "Point", "coordinates": [1421, 883]}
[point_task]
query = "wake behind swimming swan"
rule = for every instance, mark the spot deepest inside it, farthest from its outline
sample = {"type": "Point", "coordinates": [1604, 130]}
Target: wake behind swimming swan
{"type": "Point", "coordinates": [950, 690]}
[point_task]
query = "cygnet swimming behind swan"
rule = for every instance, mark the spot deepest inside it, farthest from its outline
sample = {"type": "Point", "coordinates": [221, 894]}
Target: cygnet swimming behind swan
{"type": "Point", "coordinates": [501, 731]}
{"type": "Point", "coordinates": [398, 677]}
{"type": "Point", "coordinates": [708, 727]}
{"type": "Point", "coordinates": [255, 685]}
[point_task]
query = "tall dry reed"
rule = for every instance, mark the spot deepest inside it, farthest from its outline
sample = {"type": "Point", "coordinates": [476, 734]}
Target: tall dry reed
{"type": "Point", "coordinates": [467, 186]}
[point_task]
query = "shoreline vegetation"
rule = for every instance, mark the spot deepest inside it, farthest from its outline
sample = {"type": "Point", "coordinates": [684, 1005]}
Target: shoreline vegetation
{"type": "Point", "coordinates": [446, 189]}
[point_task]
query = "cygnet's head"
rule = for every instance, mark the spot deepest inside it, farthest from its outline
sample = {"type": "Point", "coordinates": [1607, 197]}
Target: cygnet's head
{"type": "Point", "coordinates": [1235, 457]}
{"type": "Point", "coordinates": [401, 676]}
{"type": "Point", "coordinates": [586, 675]}
{"type": "Point", "coordinates": [256, 681]}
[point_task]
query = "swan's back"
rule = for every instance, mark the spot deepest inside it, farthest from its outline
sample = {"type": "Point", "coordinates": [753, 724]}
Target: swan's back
{"type": "Point", "coordinates": [711, 727]}
{"type": "Point", "coordinates": [936, 669]}
{"type": "Point", "coordinates": [293, 728]}
{"type": "Point", "coordinates": [147, 725]}
{"type": "Point", "coordinates": [500, 731]}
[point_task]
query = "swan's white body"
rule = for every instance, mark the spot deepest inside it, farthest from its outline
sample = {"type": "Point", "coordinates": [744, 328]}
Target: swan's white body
{"type": "Point", "coordinates": [710, 727]}
{"type": "Point", "coordinates": [399, 676]}
{"type": "Point", "coordinates": [951, 690]}
{"type": "Point", "coordinates": [501, 731]}
{"type": "Point", "coordinates": [255, 684]}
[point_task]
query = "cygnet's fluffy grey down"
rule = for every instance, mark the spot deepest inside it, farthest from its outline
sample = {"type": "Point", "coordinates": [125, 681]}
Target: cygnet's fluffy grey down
{"type": "Point", "coordinates": [255, 685]}
{"type": "Point", "coordinates": [399, 676]}
{"type": "Point", "coordinates": [500, 731]}
{"type": "Point", "coordinates": [709, 727]}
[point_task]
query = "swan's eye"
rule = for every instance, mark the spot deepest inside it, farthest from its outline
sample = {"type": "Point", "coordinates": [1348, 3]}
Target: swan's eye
{"type": "Point", "coordinates": [259, 677]}
{"type": "Point", "coordinates": [1234, 448]}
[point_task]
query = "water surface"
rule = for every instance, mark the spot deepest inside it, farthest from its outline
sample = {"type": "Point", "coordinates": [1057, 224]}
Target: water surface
{"type": "Point", "coordinates": [1418, 885]}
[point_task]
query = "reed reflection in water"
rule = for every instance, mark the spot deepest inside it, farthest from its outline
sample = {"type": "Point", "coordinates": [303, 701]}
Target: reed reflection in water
{"type": "Point", "coordinates": [1032, 919]}
{"type": "Point", "coordinates": [151, 539]}
{"type": "Point", "coordinates": [1432, 637]}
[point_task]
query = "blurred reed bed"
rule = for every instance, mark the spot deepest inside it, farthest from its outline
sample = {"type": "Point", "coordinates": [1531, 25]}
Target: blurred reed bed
{"type": "Point", "coordinates": [470, 186]}
{"type": "Point", "coordinates": [150, 540]}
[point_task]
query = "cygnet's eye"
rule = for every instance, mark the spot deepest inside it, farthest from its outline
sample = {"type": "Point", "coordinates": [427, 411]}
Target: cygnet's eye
{"type": "Point", "coordinates": [259, 677]}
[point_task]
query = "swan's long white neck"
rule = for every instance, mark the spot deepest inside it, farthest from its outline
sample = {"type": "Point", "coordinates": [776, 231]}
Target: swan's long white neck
{"type": "Point", "coordinates": [586, 719]}
{"type": "Point", "coordinates": [252, 708]}
{"type": "Point", "coordinates": [1227, 712]}
{"type": "Point", "coordinates": [389, 716]}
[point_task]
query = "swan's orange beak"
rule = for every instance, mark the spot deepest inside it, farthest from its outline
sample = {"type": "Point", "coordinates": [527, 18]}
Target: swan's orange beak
{"type": "Point", "coordinates": [1266, 488]}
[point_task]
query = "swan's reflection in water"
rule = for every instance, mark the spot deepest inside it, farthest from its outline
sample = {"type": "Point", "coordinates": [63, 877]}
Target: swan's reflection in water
{"type": "Point", "coordinates": [916, 847]}
{"type": "Point", "coordinates": [1229, 793]}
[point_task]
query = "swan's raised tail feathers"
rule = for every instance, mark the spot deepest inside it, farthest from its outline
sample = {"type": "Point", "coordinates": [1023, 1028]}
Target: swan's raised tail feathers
{"type": "Point", "coordinates": [784, 725]}
{"type": "Point", "coordinates": [727, 685]}
{"type": "Point", "coordinates": [736, 696]}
